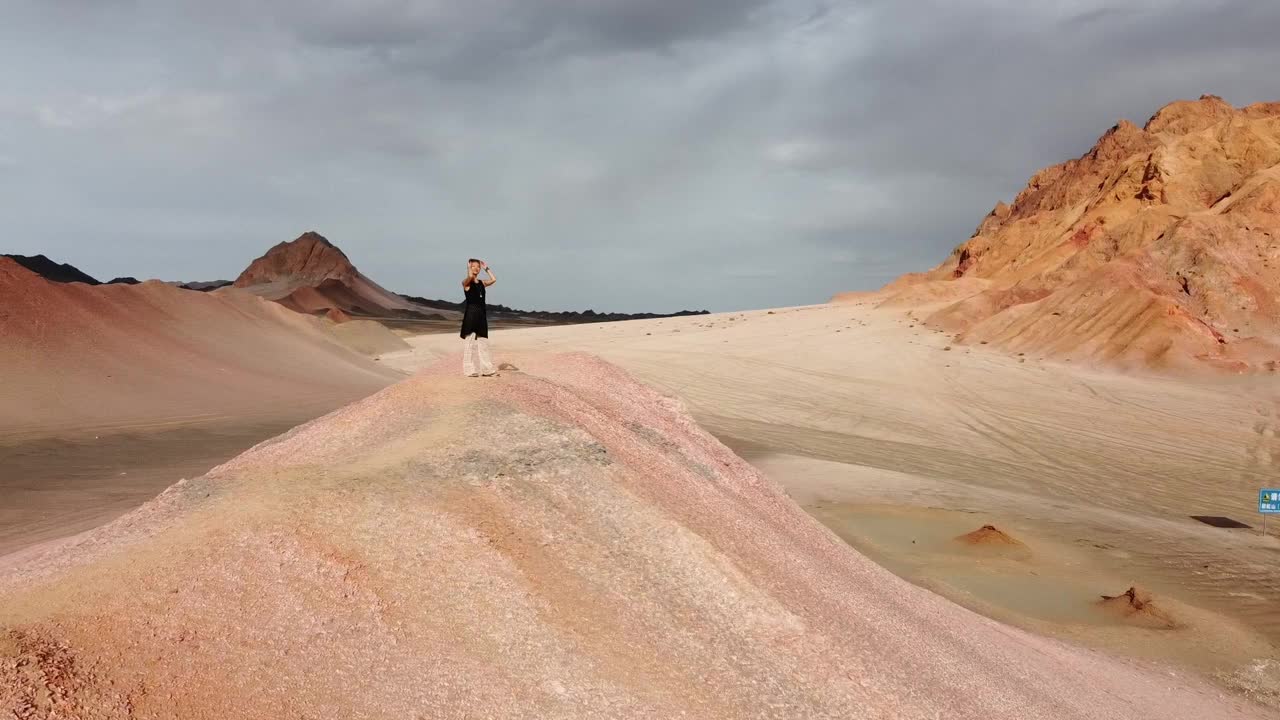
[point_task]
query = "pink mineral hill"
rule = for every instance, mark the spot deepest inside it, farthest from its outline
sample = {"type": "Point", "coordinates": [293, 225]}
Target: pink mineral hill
{"type": "Point", "coordinates": [556, 542]}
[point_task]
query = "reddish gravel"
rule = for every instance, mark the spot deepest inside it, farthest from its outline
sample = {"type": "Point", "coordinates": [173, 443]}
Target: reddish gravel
{"type": "Point", "coordinates": [556, 543]}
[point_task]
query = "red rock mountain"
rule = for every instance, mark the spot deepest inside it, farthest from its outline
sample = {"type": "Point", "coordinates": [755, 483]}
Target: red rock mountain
{"type": "Point", "coordinates": [311, 275]}
{"type": "Point", "coordinates": [1160, 247]}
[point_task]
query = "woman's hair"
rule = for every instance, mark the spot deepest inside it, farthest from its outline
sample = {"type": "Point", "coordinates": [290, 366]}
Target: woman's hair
{"type": "Point", "coordinates": [472, 260]}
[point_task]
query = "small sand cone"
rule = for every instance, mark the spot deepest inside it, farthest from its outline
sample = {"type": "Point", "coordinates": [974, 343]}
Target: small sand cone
{"type": "Point", "coordinates": [990, 535]}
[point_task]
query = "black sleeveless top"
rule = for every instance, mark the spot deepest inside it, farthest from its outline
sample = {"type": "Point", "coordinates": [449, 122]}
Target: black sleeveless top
{"type": "Point", "coordinates": [473, 314]}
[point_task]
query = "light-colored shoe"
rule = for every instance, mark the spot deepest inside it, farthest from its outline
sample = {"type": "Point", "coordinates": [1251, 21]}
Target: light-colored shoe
{"type": "Point", "coordinates": [472, 375]}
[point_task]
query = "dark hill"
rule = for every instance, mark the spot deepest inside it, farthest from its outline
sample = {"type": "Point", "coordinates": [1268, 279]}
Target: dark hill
{"type": "Point", "coordinates": [50, 270]}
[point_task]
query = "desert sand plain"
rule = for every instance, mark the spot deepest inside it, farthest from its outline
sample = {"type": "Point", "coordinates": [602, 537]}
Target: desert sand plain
{"type": "Point", "coordinates": [896, 438]}
{"type": "Point", "coordinates": [888, 432]}
{"type": "Point", "coordinates": [900, 440]}
{"type": "Point", "coordinates": [561, 541]}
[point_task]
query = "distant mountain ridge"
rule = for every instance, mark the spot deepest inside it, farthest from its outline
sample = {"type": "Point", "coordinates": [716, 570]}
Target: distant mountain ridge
{"type": "Point", "coordinates": [63, 272]}
{"type": "Point", "coordinates": [203, 285]}
{"type": "Point", "coordinates": [554, 315]}
{"type": "Point", "coordinates": [311, 275]}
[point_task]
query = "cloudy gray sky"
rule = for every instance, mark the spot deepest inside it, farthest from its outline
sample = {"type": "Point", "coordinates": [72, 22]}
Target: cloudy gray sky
{"type": "Point", "coordinates": [615, 154]}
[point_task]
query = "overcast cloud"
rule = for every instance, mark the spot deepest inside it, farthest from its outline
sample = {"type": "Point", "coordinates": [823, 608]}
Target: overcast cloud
{"type": "Point", "coordinates": [640, 155]}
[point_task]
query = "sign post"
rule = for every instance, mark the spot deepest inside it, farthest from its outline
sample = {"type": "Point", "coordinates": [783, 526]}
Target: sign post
{"type": "Point", "coordinates": [1268, 504]}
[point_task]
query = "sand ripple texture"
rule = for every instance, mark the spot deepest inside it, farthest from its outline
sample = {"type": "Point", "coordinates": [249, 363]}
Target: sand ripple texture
{"type": "Point", "coordinates": [560, 544]}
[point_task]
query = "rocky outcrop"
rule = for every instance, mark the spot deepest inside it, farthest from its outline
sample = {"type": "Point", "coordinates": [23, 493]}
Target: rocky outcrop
{"type": "Point", "coordinates": [309, 259]}
{"type": "Point", "coordinates": [1160, 247]}
{"type": "Point", "coordinates": [1137, 606]}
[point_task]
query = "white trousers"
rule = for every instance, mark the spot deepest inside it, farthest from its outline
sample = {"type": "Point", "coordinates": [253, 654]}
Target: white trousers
{"type": "Point", "coordinates": [475, 356]}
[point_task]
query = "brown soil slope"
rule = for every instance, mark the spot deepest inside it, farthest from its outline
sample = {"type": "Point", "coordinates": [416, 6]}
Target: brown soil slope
{"type": "Point", "coordinates": [311, 275]}
{"type": "Point", "coordinates": [77, 355]}
{"type": "Point", "coordinates": [567, 544]}
{"type": "Point", "coordinates": [1160, 247]}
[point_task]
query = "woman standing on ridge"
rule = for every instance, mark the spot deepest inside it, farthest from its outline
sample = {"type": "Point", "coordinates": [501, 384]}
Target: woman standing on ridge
{"type": "Point", "coordinates": [475, 326]}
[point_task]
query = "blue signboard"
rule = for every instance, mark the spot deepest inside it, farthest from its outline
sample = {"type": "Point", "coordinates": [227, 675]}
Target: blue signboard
{"type": "Point", "coordinates": [1269, 501]}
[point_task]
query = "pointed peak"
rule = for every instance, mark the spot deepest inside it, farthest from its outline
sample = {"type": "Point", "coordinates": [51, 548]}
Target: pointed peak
{"type": "Point", "coordinates": [309, 257]}
{"type": "Point", "coordinates": [310, 239]}
{"type": "Point", "coordinates": [1120, 139]}
{"type": "Point", "coordinates": [311, 236]}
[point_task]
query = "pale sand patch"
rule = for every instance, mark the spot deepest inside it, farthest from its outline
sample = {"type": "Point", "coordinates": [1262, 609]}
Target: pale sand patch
{"type": "Point", "coordinates": [367, 337]}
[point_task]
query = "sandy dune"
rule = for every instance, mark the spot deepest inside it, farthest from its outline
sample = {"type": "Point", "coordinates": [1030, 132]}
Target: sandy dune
{"type": "Point", "coordinates": [110, 393]}
{"type": "Point", "coordinates": [368, 337]}
{"type": "Point", "coordinates": [111, 356]}
{"type": "Point", "coordinates": [566, 544]}
{"type": "Point", "coordinates": [866, 412]}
